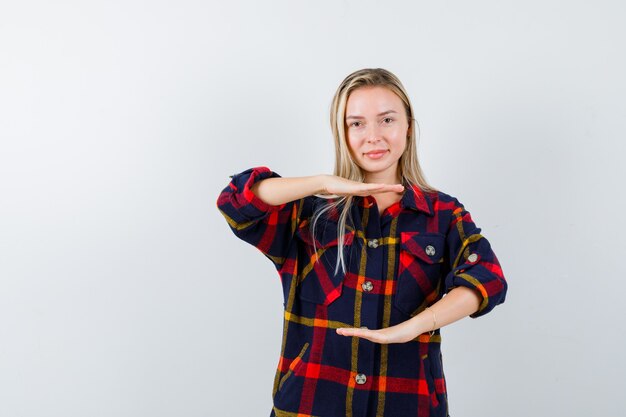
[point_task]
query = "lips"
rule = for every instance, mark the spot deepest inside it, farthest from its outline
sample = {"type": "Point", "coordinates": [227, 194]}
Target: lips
{"type": "Point", "coordinates": [376, 154]}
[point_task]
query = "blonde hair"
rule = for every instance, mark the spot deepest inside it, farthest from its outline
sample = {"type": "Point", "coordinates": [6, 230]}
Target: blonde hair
{"type": "Point", "coordinates": [409, 168]}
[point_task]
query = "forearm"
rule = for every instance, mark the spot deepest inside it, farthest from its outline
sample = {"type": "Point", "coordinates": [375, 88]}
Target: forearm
{"type": "Point", "coordinates": [460, 302]}
{"type": "Point", "coordinates": [276, 191]}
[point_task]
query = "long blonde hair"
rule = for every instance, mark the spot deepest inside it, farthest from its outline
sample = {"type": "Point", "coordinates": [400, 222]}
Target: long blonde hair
{"type": "Point", "coordinates": [408, 166]}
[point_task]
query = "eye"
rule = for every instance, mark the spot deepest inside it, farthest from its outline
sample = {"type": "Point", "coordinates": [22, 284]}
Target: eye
{"type": "Point", "coordinates": [388, 118]}
{"type": "Point", "coordinates": [354, 124]}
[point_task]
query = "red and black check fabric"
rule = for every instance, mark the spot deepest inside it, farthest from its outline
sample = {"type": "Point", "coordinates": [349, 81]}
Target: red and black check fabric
{"type": "Point", "coordinates": [398, 263]}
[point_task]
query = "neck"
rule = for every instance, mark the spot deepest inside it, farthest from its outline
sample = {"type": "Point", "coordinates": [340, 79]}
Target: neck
{"type": "Point", "coordinates": [383, 178]}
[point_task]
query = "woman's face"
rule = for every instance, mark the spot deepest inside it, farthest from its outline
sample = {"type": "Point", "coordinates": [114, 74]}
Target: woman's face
{"type": "Point", "coordinates": [377, 128]}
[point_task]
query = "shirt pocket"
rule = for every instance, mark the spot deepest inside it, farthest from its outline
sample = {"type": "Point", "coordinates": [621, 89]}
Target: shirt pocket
{"type": "Point", "coordinates": [318, 283]}
{"type": "Point", "coordinates": [287, 379]}
{"type": "Point", "coordinates": [419, 270]}
{"type": "Point", "coordinates": [434, 381]}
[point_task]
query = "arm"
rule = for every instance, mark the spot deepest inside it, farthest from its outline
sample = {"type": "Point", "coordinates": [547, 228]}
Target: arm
{"type": "Point", "coordinates": [474, 264]}
{"type": "Point", "coordinates": [277, 191]}
{"type": "Point", "coordinates": [474, 285]}
{"type": "Point", "coordinates": [460, 302]}
{"type": "Point", "coordinates": [267, 221]}
{"type": "Point", "coordinates": [457, 304]}
{"type": "Point", "coordinates": [264, 209]}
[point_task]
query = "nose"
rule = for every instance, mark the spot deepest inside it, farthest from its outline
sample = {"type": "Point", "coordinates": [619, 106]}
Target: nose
{"type": "Point", "coordinates": [372, 134]}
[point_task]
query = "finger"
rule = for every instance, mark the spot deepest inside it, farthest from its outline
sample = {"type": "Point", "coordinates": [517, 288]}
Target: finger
{"type": "Point", "coordinates": [389, 186]}
{"type": "Point", "coordinates": [390, 189]}
{"type": "Point", "coordinates": [365, 189]}
{"type": "Point", "coordinates": [373, 186]}
{"type": "Point", "coordinates": [346, 331]}
{"type": "Point", "coordinates": [395, 186]}
{"type": "Point", "coordinates": [360, 332]}
{"type": "Point", "coordinates": [349, 331]}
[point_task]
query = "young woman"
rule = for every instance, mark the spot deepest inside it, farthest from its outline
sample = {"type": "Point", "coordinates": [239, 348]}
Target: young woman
{"type": "Point", "coordinates": [372, 261]}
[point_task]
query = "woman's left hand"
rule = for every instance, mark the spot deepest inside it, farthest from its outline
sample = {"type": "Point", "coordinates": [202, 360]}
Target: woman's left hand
{"type": "Point", "coordinates": [400, 333]}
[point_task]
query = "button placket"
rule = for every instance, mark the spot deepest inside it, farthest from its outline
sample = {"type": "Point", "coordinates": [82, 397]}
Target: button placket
{"type": "Point", "coordinates": [367, 286]}
{"type": "Point", "coordinates": [372, 243]}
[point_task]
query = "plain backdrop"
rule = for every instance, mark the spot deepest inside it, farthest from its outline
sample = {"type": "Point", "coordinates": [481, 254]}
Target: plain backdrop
{"type": "Point", "coordinates": [124, 293]}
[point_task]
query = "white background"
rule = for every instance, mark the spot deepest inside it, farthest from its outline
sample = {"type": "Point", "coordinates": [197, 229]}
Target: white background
{"type": "Point", "coordinates": [124, 293]}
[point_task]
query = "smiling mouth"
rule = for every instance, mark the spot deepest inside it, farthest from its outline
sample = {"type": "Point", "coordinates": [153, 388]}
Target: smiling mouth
{"type": "Point", "coordinates": [376, 154]}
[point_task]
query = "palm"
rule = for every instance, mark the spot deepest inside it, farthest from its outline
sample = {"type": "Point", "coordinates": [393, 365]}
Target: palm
{"type": "Point", "coordinates": [342, 186]}
{"type": "Point", "coordinates": [400, 333]}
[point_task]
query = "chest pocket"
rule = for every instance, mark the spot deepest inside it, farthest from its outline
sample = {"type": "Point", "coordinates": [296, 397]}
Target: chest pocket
{"type": "Point", "coordinates": [318, 282]}
{"type": "Point", "coordinates": [419, 271]}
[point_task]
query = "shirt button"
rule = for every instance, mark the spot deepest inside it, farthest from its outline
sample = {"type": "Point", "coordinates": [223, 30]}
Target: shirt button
{"type": "Point", "coordinates": [472, 258]}
{"type": "Point", "coordinates": [430, 250]}
{"type": "Point", "coordinates": [372, 243]}
{"type": "Point", "coordinates": [360, 379]}
{"type": "Point", "coordinates": [367, 286]}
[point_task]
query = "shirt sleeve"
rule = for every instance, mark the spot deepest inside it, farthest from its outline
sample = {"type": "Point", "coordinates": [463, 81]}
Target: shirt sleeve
{"type": "Point", "coordinates": [270, 228]}
{"type": "Point", "coordinates": [473, 263]}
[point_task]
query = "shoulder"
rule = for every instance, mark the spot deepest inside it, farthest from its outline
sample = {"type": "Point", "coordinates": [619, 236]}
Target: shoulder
{"type": "Point", "coordinates": [443, 202]}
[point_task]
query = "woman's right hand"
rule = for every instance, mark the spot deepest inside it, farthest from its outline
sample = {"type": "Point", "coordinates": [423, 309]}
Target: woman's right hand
{"type": "Point", "coordinates": [340, 186]}
{"type": "Point", "coordinates": [279, 190]}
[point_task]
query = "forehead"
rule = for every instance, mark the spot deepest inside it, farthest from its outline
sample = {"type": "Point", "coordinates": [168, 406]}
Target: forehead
{"type": "Point", "coordinates": [372, 100]}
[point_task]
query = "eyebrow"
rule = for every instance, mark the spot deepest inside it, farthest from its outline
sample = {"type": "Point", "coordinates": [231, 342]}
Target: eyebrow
{"type": "Point", "coordinates": [379, 114]}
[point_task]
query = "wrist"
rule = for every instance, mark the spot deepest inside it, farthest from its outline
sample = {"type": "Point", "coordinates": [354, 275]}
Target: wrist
{"type": "Point", "coordinates": [320, 184]}
{"type": "Point", "coordinates": [434, 326]}
{"type": "Point", "coordinates": [424, 322]}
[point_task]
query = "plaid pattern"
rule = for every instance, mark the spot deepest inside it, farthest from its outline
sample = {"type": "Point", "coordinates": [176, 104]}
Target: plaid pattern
{"type": "Point", "coordinates": [397, 263]}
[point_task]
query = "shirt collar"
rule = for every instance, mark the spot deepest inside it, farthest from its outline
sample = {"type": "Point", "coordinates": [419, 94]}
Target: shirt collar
{"type": "Point", "coordinates": [414, 198]}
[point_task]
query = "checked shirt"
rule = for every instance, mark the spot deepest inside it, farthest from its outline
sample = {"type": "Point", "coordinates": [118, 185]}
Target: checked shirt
{"type": "Point", "coordinates": [397, 263]}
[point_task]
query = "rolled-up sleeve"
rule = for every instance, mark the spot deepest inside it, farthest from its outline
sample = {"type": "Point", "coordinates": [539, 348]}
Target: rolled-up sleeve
{"type": "Point", "coordinates": [270, 228]}
{"type": "Point", "coordinates": [473, 262]}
